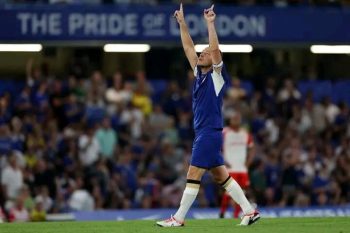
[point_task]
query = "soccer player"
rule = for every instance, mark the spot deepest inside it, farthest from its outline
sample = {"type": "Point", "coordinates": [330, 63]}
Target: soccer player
{"type": "Point", "coordinates": [238, 148]}
{"type": "Point", "coordinates": [211, 77]}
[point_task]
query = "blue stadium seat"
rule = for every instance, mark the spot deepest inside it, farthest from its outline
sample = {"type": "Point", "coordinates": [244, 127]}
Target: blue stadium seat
{"type": "Point", "coordinates": [341, 91]}
{"type": "Point", "coordinates": [11, 86]}
{"type": "Point", "coordinates": [159, 87]}
{"type": "Point", "coordinates": [248, 87]}
{"type": "Point", "coordinates": [319, 89]}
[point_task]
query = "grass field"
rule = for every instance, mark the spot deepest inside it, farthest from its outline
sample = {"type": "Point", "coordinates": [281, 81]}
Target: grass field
{"type": "Point", "coordinates": [280, 225]}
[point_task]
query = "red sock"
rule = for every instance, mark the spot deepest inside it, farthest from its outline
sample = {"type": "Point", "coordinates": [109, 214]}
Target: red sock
{"type": "Point", "coordinates": [236, 211]}
{"type": "Point", "coordinates": [224, 203]}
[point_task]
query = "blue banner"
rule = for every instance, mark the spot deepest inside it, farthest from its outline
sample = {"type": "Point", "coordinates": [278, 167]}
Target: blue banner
{"type": "Point", "coordinates": [70, 23]}
{"type": "Point", "coordinates": [210, 213]}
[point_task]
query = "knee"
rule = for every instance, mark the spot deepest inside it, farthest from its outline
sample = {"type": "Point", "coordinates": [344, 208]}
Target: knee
{"type": "Point", "coordinates": [218, 179]}
{"type": "Point", "coordinates": [194, 174]}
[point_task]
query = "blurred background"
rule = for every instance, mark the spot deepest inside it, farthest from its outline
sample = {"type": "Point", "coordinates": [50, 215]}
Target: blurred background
{"type": "Point", "coordinates": [95, 105]}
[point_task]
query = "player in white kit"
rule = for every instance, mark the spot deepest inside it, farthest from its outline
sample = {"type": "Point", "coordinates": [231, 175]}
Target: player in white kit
{"type": "Point", "coordinates": [238, 150]}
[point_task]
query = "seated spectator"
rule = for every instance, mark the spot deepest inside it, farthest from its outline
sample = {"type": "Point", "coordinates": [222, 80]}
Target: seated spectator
{"type": "Point", "coordinates": [89, 147]}
{"type": "Point", "coordinates": [19, 213]}
{"type": "Point", "coordinates": [73, 111]}
{"type": "Point", "coordinates": [12, 179]}
{"type": "Point", "coordinates": [107, 139]}
{"type": "Point", "coordinates": [331, 110]}
{"type": "Point", "coordinates": [2, 216]}
{"type": "Point", "coordinates": [17, 135]}
{"type": "Point", "coordinates": [288, 92]}
{"type": "Point", "coordinates": [38, 214]}
{"type": "Point", "coordinates": [41, 102]}
{"type": "Point", "coordinates": [157, 121]}
{"type": "Point", "coordinates": [23, 104]}
{"type": "Point", "coordinates": [236, 92]}
{"type": "Point", "coordinates": [141, 100]}
{"type": "Point", "coordinates": [117, 94]}
{"type": "Point", "coordinates": [44, 199]}
{"type": "Point", "coordinates": [81, 200]}
{"type": "Point", "coordinates": [5, 140]}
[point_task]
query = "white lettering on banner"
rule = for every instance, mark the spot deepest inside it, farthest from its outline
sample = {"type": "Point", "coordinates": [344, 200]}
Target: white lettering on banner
{"type": "Point", "coordinates": [248, 26]}
{"type": "Point", "coordinates": [114, 25]}
{"type": "Point", "coordinates": [104, 27]}
{"type": "Point", "coordinates": [196, 25]}
{"type": "Point", "coordinates": [55, 24]}
{"type": "Point", "coordinates": [223, 25]}
{"type": "Point", "coordinates": [131, 24]}
{"type": "Point", "coordinates": [238, 25]}
{"type": "Point", "coordinates": [91, 24]}
{"type": "Point", "coordinates": [75, 22]}
{"type": "Point", "coordinates": [153, 24]}
{"type": "Point", "coordinates": [24, 18]}
{"type": "Point", "coordinates": [40, 24]}
{"type": "Point", "coordinates": [103, 24]}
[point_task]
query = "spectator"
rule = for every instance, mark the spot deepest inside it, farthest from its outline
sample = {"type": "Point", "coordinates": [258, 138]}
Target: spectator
{"type": "Point", "coordinates": [107, 139]}
{"type": "Point", "coordinates": [44, 199]}
{"type": "Point", "coordinates": [12, 179]}
{"type": "Point", "coordinates": [117, 94]}
{"type": "Point", "coordinates": [38, 214]}
{"type": "Point", "coordinates": [2, 216]}
{"type": "Point", "coordinates": [19, 213]}
{"type": "Point", "coordinates": [236, 92]}
{"type": "Point", "coordinates": [81, 200]}
{"type": "Point", "coordinates": [89, 148]}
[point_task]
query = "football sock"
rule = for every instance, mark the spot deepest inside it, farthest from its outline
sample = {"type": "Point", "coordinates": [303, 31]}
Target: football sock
{"type": "Point", "coordinates": [237, 194]}
{"type": "Point", "coordinates": [188, 197]}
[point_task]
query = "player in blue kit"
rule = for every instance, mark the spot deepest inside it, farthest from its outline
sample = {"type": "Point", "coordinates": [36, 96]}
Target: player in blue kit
{"type": "Point", "coordinates": [211, 78]}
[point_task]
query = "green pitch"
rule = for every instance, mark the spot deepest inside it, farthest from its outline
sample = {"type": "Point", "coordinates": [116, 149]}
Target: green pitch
{"type": "Point", "coordinates": [278, 225]}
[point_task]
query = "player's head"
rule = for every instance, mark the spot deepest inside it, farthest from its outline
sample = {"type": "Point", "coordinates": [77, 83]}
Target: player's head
{"type": "Point", "coordinates": [204, 59]}
{"type": "Point", "coordinates": [235, 120]}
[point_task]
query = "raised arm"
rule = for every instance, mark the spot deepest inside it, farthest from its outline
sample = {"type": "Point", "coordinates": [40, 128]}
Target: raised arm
{"type": "Point", "coordinates": [209, 16]}
{"type": "Point", "coordinates": [186, 39]}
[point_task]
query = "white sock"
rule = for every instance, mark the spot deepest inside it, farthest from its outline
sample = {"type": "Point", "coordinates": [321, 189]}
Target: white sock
{"type": "Point", "coordinates": [237, 194]}
{"type": "Point", "coordinates": [188, 197]}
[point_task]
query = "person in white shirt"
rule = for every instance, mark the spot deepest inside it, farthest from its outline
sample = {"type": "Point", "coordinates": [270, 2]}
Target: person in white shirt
{"type": "Point", "coordinates": [238, 151]}
{"type": "Point", "coordinates": [88, 148]}
{"type": "Point", "coordinates": [11, 178]}
{"type": "Point", "coordinates": [19, 213]}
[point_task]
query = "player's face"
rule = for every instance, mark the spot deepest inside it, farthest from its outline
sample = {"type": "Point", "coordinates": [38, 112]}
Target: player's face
{"type": "Point", "coordinates": [204, 58]}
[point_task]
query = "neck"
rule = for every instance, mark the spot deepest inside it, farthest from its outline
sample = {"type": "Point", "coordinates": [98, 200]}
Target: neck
{"type": "Point", "coordinates": [205, 69]}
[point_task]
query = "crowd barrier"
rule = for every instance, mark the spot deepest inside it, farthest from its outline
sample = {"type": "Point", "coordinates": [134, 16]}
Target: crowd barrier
{"type": "Point", "coordinates": [205, 213]}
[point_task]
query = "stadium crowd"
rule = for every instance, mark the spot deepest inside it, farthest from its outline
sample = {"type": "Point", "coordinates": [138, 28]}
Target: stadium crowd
{"type": "Point", "coordinates": [118, 143]}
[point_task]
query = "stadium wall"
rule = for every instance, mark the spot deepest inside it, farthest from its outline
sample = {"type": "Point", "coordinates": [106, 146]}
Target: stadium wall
{"type": "Point", "coordinates": [206, 213]}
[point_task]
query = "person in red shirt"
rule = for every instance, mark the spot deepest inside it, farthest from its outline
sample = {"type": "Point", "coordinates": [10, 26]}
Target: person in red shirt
{"type": "Point", "coordinates": [238, 151]}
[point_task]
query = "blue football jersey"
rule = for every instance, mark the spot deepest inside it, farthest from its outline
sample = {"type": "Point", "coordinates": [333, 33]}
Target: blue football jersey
{"type": "Point", "coordinates": [207, 98]}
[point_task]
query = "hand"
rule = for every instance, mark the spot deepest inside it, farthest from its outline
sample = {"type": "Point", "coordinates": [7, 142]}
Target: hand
{"type": "Point", "coordinates": [179, 15]}
{"type": "Point", "coordinates": [209, 14]}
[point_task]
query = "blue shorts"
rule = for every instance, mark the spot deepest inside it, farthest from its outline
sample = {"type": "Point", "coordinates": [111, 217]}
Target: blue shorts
{"type": "Point", "coordinates": [206, 150]}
